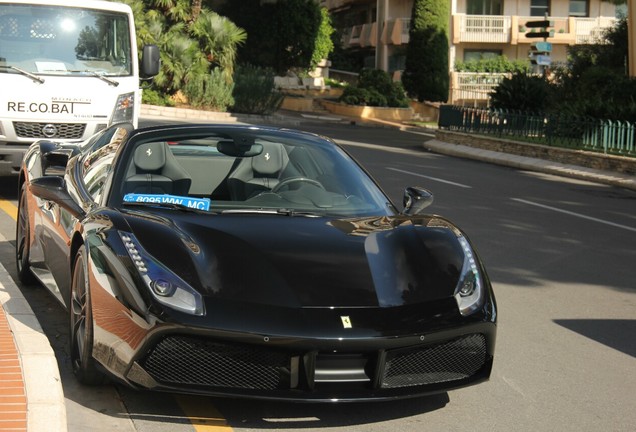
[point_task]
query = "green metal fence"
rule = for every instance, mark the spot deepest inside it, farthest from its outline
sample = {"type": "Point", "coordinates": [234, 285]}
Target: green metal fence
{"type": "Point", "coordinates": [615, 137]}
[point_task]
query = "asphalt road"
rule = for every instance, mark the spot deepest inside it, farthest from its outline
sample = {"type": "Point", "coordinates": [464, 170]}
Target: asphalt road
{"type": "Point", "coordinates": [560, 254]}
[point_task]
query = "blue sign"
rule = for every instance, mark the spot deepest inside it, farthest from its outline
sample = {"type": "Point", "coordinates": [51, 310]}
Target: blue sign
{"type": "Point", "coordinates": [543, 46]}
{"type": "Point", "coordinates": [543, 60]}
{"type": "Point", "coordinates": [193, 203]}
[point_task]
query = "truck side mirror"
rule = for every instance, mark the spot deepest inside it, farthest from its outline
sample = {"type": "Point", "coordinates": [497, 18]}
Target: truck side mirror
{"type": "Point", "coordinates": [150, 61]}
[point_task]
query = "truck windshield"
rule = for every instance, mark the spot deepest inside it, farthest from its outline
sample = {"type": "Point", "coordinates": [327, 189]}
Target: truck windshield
{"type": "Point", "coordinates": [54, 40]}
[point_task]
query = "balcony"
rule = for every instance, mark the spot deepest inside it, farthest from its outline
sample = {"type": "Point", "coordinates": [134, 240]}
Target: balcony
{"type": "Point", "coordinates": [511, 29]}
{"type": "Point", "coordinates": [363, 35]}
{"type": "Point", "coordinates": [394, 32]}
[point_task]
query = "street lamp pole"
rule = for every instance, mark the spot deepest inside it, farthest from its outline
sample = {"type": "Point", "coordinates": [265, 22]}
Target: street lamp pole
{"type": "Point", "coordinates": [631, 36]}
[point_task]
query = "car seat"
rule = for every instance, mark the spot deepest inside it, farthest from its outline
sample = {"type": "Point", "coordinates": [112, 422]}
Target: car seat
{"type": "Point", "coordinates": [259, 173]}
{"type": "Point", "coordinates": [155, 170]}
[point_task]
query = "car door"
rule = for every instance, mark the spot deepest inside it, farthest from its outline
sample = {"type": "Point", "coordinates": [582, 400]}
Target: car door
{"type": "Point", "coordinates": [86, 178]}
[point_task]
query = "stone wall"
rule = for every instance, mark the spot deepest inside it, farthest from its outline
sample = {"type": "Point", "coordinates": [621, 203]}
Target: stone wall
{"type": "Point", "coordinates": [622, 164]}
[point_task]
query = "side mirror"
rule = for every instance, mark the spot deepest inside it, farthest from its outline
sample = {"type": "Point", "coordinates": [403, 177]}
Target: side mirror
{"type": "Point", "coordinates": [416, 199]}
{"type": "Point", "coordinates": [54, 158]}
{"type": "Point", "coordinates": [150, 61]}
{"type": "Point", "coordinates": [51, 188]}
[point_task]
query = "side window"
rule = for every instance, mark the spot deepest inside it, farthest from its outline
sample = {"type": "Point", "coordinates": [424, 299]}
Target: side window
{"type": "Point", "coordinates": [95, 177]}
{"type": "Point", "coordinates": [98, 163]}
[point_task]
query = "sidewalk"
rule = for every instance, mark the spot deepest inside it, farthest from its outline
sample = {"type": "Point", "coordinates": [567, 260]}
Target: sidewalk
{"type": "Point", "coordinates": [31, 395]}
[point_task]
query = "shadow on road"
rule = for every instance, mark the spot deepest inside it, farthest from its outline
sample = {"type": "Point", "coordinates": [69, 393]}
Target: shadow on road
{"type": "Point", "coordinates": [617, 334]}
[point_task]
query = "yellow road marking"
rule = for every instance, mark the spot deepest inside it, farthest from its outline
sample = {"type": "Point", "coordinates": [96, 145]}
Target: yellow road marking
{"type": "Point", "coordinates": [202, 414]}
{"type": "Point", "coordinates": [9, 208]}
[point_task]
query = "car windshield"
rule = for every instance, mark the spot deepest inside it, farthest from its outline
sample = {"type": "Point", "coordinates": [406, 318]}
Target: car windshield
{"type": "Point", "coordinates": [248, 172]}
{"type": "Point", "coordinates": [56, 40]}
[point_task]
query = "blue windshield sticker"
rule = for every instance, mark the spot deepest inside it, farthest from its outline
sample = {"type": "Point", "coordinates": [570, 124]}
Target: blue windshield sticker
{"type": "Point", "coordinates": [194, 203]}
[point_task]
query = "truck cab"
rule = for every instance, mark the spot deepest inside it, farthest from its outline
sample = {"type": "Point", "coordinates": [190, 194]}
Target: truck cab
{"type": "Point", "coordinates": [68, 69]}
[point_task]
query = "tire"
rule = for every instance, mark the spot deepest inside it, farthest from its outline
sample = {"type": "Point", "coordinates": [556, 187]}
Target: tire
{"type": "Point", "coordinates": [81, 325]}
{"type": "Point", "coordinates": [22, 244]}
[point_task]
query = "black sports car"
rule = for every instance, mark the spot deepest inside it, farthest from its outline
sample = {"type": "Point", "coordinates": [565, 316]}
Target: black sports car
{"type": "Point", "coordinates": [249, 261]}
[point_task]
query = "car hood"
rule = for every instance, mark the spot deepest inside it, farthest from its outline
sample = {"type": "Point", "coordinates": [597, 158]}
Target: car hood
{"type": "Point", "coordinates": [301, 262]}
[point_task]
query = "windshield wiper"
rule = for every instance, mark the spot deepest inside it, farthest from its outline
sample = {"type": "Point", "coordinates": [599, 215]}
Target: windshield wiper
{"type": "Point", "coordinates": [97, 75]}
{"type": "Point", "coordinates": [281, 212]}
{"type": "Point", "coordinates": [167, 205]}
{"type": "Point", "coordinates": [23, 72]}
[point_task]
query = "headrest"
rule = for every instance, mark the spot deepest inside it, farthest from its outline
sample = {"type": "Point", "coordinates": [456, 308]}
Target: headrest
{"type": "Point", "coordinates": [272, 160]}
{"type": "Point", "coordinates": [150, 156]}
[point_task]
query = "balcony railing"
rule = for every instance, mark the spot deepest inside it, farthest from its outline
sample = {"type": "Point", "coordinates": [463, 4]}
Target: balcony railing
{"type": "Point", "coordinates": [473, 88]}
{"type": "Point", "coordinates": [485, 28]}
{"type": "Point", "coordinates": [511, 29]}
{"type": "Point", "coordinates": [588, 30]}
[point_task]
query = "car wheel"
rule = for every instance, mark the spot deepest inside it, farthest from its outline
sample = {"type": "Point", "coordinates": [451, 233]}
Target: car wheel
{"type": "Point", "coordinates": [22, 244]}
{"type": "Point", "coordinates": [81, 325]}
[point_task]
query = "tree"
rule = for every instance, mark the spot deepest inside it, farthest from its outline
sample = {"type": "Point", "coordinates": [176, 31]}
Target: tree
{"type": "Point", "coordinates": [197, 47]}
{"type": "Point", "coordinates": [323, 45]}
{"type": "Point", "coordinates": [281, 35]}
{"type": "Point", "coordinates": [426, 73]}
{"type": "Point", "coordinates": [593, 83]}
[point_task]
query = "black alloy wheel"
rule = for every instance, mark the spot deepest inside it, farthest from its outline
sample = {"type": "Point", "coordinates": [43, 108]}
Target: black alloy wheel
{"type": "Point", "coordinates": [22, 243]}
{"type": "Point", "coordinates": [81, 325]}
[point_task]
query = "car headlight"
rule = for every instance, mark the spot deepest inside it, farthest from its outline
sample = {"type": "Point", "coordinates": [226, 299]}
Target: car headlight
{"type": "Point", "coordinates": [469, 291]}
{"type": "Point", "coordinates": [124, 110]}
{"type": "Point", "coordinates": [166, 287]}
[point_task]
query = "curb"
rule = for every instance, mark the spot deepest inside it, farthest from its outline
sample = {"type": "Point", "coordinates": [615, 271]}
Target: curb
{"type": "Point", "coordinates": [532, 164]}
{"type": "Point", "coordinates": [46, 409]}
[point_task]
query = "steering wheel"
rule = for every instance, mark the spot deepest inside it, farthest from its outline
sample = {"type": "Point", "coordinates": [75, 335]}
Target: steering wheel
{"type": "Point", "coordinates": [291, 180]}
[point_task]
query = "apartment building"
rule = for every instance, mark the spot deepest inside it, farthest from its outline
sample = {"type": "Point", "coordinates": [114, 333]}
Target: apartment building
{"type": "Point", "coordinates": [379, 30]}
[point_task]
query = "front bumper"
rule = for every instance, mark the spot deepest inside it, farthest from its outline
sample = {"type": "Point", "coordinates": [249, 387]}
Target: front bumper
{"type": "Point", "coordinates": [183, 363]}
{"type": "Point", "coordinates": [183, 359]}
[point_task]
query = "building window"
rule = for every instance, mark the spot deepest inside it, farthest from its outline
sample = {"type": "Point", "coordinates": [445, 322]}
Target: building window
{"type": "Point", "coordinates": [539, 7]}
{"type": "Point", "coordinates": [621, 11]}
{"type": "Point", "coordinates": [471, 55]}
{"type": "Point", "coordinates": [484, 7]}
{"type": "Point", "coordinates": [579, 8]}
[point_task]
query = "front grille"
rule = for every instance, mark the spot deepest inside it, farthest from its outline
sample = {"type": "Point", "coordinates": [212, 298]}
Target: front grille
{"type": "Point", "coordinates": [63, 130]}
{"type": "Point", "coordinates": [179, 360]}
{"type": "Point", "coordinates": [449, 361]}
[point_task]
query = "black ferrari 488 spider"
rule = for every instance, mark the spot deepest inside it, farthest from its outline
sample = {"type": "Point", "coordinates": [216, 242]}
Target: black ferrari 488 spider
{"type": "Point", "coordinates": [249, 261]}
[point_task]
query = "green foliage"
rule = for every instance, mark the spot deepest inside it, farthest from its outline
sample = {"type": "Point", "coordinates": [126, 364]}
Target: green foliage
{"type": "Point", "coordinates": [426, 74]}
{"type": "Point", "coordinates": [521, 92]}
{"type": "Point", "coordinates": [254, 91]}
{"type": "Point", "coordinates": [375, 88]}
{"type": "Point", "coordinates": [219, 37]}
{"type": "Point", "coordinates": [375, 79]}
{"type": "Point", "coordinates": [323, 45]}
{"type": "Point", "coordinates": [499, 64]}
{"type": "Point", "coordinates": [210, 91]}
{"type": "Point", "coordinates": [196, 46]}
{"type": "Point", "coordinates": [355, 96]}
{"type": "Point", "coordinates": [281, 35]}
{"type": "Point", "coordinates": [600, 92]}
{"type": "Point", "coordinates": [153, 97]}
{"type": "Point", "coordinates": [333, 83]}
{"type": "Point", "coordinates": [593, 83]}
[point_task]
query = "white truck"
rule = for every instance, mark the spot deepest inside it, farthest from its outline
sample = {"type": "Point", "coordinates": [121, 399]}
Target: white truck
{"type": "Point", "coordinates": [68, 69]}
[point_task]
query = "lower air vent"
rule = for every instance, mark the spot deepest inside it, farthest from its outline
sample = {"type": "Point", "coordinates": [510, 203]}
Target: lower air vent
{"type": "Point", "coordinates": [449, 361]}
